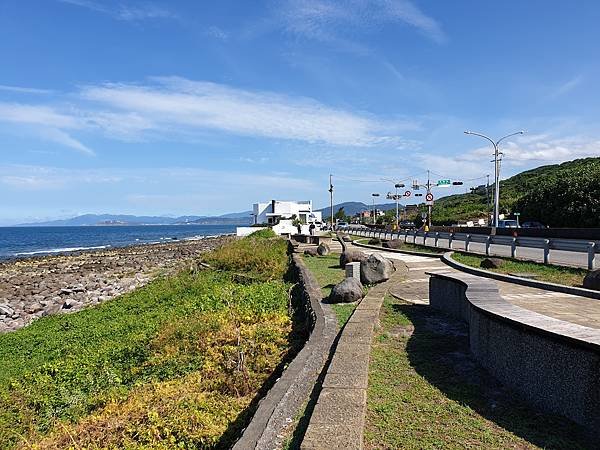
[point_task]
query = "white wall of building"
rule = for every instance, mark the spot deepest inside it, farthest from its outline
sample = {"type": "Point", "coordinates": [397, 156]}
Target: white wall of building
{"type": "Point", "coordinates": [274, 211]}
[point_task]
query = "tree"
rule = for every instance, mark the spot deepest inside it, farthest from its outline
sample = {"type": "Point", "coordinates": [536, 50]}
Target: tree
{"type": "Point", "coordinates": [340, 215]}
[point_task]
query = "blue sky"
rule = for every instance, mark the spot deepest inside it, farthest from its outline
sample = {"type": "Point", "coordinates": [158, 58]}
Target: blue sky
{"type": "Point", "coordinates": [187, 107]}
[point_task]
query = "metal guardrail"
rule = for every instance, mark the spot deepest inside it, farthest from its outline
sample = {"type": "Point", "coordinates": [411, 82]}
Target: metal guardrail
{"type": "Point", "coordinates": [591, 248]}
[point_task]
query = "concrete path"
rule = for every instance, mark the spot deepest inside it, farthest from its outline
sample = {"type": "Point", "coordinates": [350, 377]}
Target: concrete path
{"type": "Point", "coordinates": [570, 308]}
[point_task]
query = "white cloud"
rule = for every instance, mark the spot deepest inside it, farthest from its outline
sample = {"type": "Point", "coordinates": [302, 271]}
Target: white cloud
{"type": "Point", "coordinates": [60, 137]}
{"type": "Point", "coordinates": [326, 20]}
{"type": "Point", "coordinates": [217, 33]}
{"type": "Point", "coordinates": [24, 90]}
{"type": "Point", "coordinates": [567, 87]}
{"type": "Point", "coordinates": [125, 11]}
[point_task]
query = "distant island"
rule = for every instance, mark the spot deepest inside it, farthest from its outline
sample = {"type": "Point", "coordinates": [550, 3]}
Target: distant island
{"type": "Point", "coordinates": [241, 218]}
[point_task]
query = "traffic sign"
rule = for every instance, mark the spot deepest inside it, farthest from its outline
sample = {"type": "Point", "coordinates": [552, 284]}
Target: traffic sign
{"type": "Point", "coordinates": [407, 194]}
{"type": "Point", "coordinates": [429, 197]}
{"type": "Point", "coordinates": [443, 183]}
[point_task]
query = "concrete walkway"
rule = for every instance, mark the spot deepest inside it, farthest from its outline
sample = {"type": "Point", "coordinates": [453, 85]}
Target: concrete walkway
{"type": "Point", "coordinates": [570, 308]}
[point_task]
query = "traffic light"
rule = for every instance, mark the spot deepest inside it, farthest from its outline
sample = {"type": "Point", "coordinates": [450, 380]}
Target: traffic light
{"type": "Point", "coordinates": [457, 183]}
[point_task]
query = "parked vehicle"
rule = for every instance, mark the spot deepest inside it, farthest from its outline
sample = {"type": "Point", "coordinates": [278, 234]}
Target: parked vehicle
{"type": "Point", "coordinates": [533, 224]}
{"type": "Point", "coordinates": [407, 224]}
{"type": "Point", "coordinates": [342, 225]}
{"type": "Point", "coordinates": [508, 224]}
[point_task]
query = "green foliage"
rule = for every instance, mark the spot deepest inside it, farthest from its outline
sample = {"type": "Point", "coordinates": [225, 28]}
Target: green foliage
{"type": "Point", "coordinates": [563, 195]}
{"type": "Point", "coordinates": [159, 367]}
{"type": "Point", "coordinates": [266, 233]}
{"type": "Point", "coordinates": [340, 215]}
{"type": "Point", "coordinates": [259, 256]}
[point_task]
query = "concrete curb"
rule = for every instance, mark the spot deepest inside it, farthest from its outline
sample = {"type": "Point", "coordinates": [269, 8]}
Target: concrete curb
{"type": "Point", "coordinates": [338, 419]}
{"type": "Point", "coordinates": [582, 292]}
{"type": "Point", "coordinates": [553, 364]}
{"type": "Point", "coordinates": [394, 250]}
{"type": "Point", "coordinates": [284, 400]}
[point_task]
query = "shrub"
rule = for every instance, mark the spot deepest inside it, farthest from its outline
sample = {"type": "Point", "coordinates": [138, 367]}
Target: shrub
{"type": "Point", "coordinates": [263, 234]}
{"type": "Point", "coordinates": [375, 241]}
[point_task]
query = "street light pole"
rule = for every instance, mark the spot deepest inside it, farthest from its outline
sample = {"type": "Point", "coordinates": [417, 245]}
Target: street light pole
{"type": "Point", "coordinates": [374, 195]}
{"type": "Point", "coordinates": [331, 200]}
{"type": "Point", "coordinates": [397, 210]}
{"type": "Point", "coordinates": [497, 160]}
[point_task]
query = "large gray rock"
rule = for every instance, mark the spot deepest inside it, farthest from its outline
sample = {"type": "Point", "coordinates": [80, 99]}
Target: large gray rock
{"type": "Point", "coordinates": [592, 280]}
{"type": "Point", "coordinates": [348, 291]}
{"type": "Point", "coordinates": [346, 238]}
{"type": "Point", "coordinates": [375, 269]}
{"type": "Point", "coordinates": [492, 263]}
{"type": "Point", "coordinates": [349, 256]}
{"type": "Point", "coordinates": [374, 241]}
{"type": "Point", "coordinates": [311, 252]}
{"type": "Point", "coordinates": [323, 249]}
{"type": "Point", "coordinates": [394, 243]}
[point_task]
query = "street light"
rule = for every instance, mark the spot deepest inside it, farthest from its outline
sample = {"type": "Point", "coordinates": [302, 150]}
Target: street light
{"type": "Point", "coordinates": [374, 195]}
{"type": "Point", "coordinates": [497, 160]}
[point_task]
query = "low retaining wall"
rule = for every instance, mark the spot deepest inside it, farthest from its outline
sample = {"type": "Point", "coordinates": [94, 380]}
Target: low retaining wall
{"type": "Point", "coordinates": [284, 400]}
{"type": "Point", "coordinates": [554, 365]}
{"type": "Point", "coordinates": [572, 290]}
{"type": "Point", "coordinates": [395, 250]}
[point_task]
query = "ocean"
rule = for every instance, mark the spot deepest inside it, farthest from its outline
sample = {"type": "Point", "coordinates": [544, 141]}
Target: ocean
{"type": "Point", "coordinates": [20, 242]}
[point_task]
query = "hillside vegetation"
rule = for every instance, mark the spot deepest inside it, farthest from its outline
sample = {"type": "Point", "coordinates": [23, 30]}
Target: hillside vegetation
{"type": "Point", "coordinates": [175, 364]}
{"type": "Point", "coordinates": [562, 195]}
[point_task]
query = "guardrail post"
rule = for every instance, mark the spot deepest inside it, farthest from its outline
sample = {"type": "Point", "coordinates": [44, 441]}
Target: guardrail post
{"type": "Point", "coordinates": [415, 237]}
{"type": "Point", "coordinates": [425, 237]}
{"type": "Point", "coordinates": [513, 248]}
{"type": "Point", "coordinates": [437, 238]}
{"type": "Point", "coordinates": [450, 239]}
{"type": "Point", "coordinates": [546, 251]}
{"type": "Point", "coordinates": [488, 243]}
{"type": "Point", "coordinates": [591, 255]}
{"type": "Point", "coordinates": [467, 242]}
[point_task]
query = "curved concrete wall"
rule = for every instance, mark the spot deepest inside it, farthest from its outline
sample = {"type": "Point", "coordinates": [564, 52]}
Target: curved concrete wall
{"type": "Point", "coordinates": [554, 365]}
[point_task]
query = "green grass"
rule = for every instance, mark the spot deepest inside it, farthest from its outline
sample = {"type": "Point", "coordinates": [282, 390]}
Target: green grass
{"type": "Point", "coordinates": [553, 274]}
{"type": "Point", "coordinates": [328, 273]}
{"type": "Point", "coordinates": [326, 270]}
{"type": "Point", "coordinates": [175, 363]}
{"type": "Point", "coordinates": [426, 391]}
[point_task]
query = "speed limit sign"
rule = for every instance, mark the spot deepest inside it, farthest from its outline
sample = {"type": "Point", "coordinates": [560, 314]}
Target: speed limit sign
{"type": "Point", "coordinates": [429, 197]}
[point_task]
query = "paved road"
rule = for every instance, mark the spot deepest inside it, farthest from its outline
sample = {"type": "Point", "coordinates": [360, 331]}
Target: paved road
{"type": "Point", "coordinates": [570, 308]}
{"type": "Point", "coordinates": [573, 259]}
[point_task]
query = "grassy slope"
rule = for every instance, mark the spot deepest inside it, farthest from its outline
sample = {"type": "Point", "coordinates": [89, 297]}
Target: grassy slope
{"type": "Point", "coordinates": [543, 182]}
{"type": "Point", "coordinates": [425, 391]}
{"type": "Point", "coordinates": [328, 273]}
{"type": "Point", "coordinates": [158, 367]}
{"type": "Point", "coordinates": [552, 274]}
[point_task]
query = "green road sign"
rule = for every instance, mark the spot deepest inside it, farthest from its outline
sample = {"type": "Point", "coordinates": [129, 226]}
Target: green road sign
{"type": "Point", "coordinates": [443, 182]}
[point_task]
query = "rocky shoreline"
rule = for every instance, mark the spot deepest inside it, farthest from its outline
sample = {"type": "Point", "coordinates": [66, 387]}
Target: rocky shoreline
{"type": "Point", "coordinates": [36, 287]}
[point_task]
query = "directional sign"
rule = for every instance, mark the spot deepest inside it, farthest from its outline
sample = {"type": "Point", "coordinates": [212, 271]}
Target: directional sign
{"type": "Point", "coordinates": [444, 183]}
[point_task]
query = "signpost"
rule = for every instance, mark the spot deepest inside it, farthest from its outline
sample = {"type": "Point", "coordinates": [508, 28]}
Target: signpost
{"type": "Point", "coordinates": [444, 183]}
{"type": "Point", "coordinates": [429, 199]}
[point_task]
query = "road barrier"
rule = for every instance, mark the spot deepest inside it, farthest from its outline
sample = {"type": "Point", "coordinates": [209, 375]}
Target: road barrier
{"type": "Point", "coordinates": [591, 248]}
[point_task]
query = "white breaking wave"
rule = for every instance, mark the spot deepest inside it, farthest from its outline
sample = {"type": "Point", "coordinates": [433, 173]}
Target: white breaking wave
{"type": "Point", "coordinates": [60, 250]}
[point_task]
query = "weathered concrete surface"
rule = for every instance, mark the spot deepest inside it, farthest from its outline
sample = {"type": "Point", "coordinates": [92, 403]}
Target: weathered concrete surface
{"type": "Point", "coordinates": [276, 411]}
{"type": "Point", "coordinates": [553, 364]}
{"type": "Point", "coordinates": [35, 287]}
{"type": "Point", "coordinates": [338, 419]}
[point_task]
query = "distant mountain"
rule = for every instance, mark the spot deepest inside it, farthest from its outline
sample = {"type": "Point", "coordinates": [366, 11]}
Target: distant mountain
{"type": "Point", "coordinates": [240, 218]}
{"type": "Point", "coordinates": [352, 208]}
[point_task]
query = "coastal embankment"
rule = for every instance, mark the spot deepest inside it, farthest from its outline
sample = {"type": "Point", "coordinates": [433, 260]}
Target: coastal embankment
{"type": "Point", "coordinates": [35, 287]}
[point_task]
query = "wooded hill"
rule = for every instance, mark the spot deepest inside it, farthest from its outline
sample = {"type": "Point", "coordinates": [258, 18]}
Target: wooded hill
{"type": "Point", "coordinates": [560, 195]}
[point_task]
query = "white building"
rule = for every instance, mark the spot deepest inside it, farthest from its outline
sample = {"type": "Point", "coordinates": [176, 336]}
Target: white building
{"type": "Point", "coordinates": [271, 213]}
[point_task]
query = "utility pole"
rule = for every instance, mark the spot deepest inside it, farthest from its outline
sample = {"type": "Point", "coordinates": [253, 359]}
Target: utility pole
{"type": "Point", "coordinates": [487, 194]}
{"type": "Point", "coordinates": [497, 160]}
{"type": "Point", "coordinates": [429, 207]}
{"type": "Point", "coordinates": [397, 211]}
{"type": "Point", "coordinates": [331, 200]}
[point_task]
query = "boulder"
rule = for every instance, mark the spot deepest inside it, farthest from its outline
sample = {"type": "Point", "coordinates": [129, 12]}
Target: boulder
{"type": "Point", "coordinates": [311, 252]}
{"type": "Point", "coordinates": [374, 241]}
{"type": "Point", "coordinates": [375, 269]}
{"type": "Point", "coordinates": [491, 263]}
{"type": "Point", "coordinates": [323, 249]}
{"type": "Point", "coordinates": [349, 256]}
{"type": "Point", "coordinates": [394, 243]}
{"type": "Point", "coordinates": [348, 291]}
{"type": "Point", "coordinates": [346, 238]}
{"type": "Point", "coordinates": [592, 280]}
